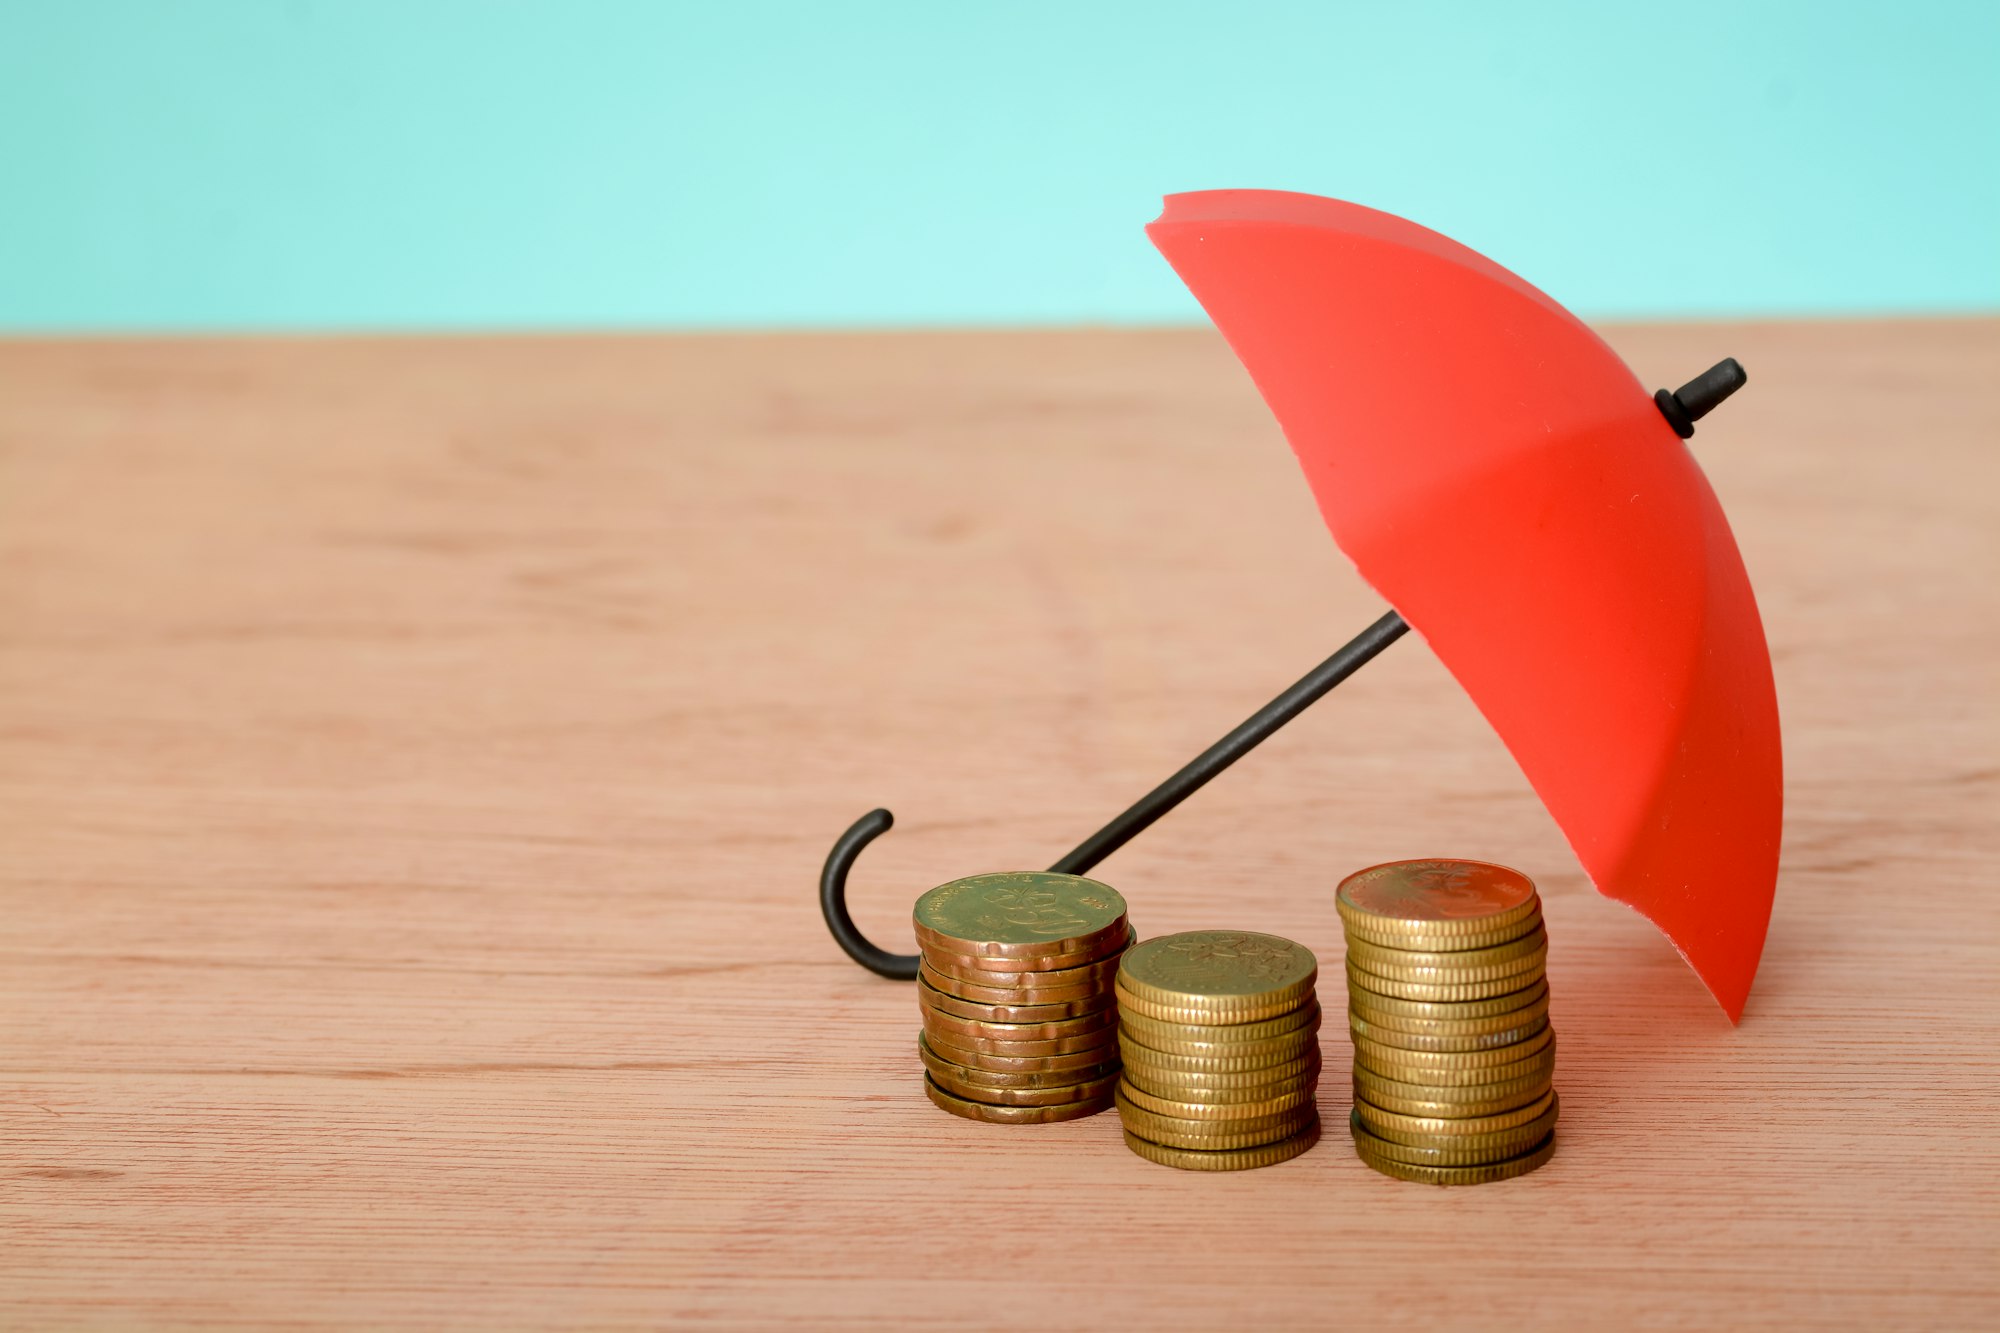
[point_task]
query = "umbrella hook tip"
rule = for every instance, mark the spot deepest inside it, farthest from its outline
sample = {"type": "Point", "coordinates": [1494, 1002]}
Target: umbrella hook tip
{"type": "Point", "coordinates": [833, 899]}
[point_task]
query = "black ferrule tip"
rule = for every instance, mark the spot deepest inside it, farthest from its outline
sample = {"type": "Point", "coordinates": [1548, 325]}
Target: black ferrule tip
{"type": "Point", "coordinates": [1700, 395]}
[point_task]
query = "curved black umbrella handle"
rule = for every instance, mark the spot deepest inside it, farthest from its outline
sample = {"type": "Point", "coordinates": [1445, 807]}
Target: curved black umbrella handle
{"type": "Point", "coordinates": [1129, 825]}
{"type": "Point", "coordinates": [833, 900]}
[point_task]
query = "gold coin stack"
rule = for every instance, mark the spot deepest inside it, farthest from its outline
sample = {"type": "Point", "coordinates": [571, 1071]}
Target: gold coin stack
{"type": "Point", "coordinates": [1449, 1008]}
{"type": "Point", "coordinates": [1219, 1030]}
{"type": "Point", "coordinates": [1015, 987]}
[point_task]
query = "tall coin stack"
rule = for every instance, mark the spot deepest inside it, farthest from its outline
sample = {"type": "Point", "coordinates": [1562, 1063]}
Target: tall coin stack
{"type": "Point", "coordinates": [1020, 1025]}
{"type": "Point", "coordinates": [1449, 1009]}
{"type": "Point", "coordinates": [1219, 1030]}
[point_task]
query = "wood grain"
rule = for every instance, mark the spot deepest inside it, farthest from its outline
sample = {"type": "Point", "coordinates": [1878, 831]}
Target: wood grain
{"type": "Point", "coordinates": [416, 758]}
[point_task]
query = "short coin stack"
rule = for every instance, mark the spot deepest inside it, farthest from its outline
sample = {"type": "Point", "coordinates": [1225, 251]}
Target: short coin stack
{"type": "Point", "coordinates": [1020, 1026]}
{"type": "Point", "coordinates": [1449, 1008]}
{"type": "Point", "coordinates": [1220, 1034]}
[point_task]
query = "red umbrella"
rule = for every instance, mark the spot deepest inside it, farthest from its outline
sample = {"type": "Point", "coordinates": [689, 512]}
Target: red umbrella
{"type": "Point", "coordinates": [1497, 473]}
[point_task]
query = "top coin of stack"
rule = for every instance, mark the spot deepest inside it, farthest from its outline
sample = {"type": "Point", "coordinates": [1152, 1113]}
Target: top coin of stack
{"type": "Point", "coordinates": [1220, 1034]}
{"type": "Point", "coordinates": [1015, 988]}
{"type": "Point", "coordinates": [1448, 1006]}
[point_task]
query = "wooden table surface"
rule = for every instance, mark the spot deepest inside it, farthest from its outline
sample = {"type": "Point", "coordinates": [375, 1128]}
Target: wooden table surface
{"type": "Point", "coordinates": [416, 759]}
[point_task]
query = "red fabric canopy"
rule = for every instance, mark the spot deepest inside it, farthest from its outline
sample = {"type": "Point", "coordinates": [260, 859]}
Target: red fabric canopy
{"type": "Point", "coordinates": [1503, 479]}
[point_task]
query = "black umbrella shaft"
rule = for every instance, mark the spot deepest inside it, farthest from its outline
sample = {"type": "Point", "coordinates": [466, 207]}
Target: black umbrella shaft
{"type": "Point", "coordinates": [1682, 408]}
{"type": "Point", "coordinates": [1252, 732]}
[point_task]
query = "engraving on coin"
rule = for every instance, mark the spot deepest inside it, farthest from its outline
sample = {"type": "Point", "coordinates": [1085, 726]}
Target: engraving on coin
{"type": "Point", "coordinates": [1203, 962]}
{"type": "Point", "coordinates": [1218, 963]}
{"type": "Point", "coordinates": [1029, 911]}
{"type": "Point", "coordinates": [1436, 890]}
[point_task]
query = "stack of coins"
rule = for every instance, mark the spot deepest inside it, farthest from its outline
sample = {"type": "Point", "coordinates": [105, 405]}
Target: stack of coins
{"type": "Point", "coordinates": [1220, 1034]}
{"type": "Point", "coordinates": [1449, 1009]}
{"type": "Point", "coordinates": [1020, 1024]}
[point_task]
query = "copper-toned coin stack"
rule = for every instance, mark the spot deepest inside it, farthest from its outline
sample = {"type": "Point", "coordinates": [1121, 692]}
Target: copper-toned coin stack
{"type": "Point", "coordinates": [1220, 1034]}
{"type": "Point", "coordinates": [1020, 1023]}
{"type": "Point", "coordinates": [1454, 1059]}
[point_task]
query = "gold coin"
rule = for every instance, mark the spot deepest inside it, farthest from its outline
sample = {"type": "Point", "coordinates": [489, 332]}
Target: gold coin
{"type": "Point", "coordinates": [1097, 1089]}
{"type": "Point", "coordinates": [1460, 1014]}
{"type": "Point", "coordinates": [1053, 1029]}
{"type": "Point", "coordinates": [1228, 1143]}
{"type": "Point", "coordinates": [1459, 1175]}
{"type": "Point", "coordinates": [1456, 1155]}
{"type": "Point", "coordinates": [1069, 989]}
{"type": "Point", "coordinates": [1201, 1057]}
{"type": "Point", "coordinates": [1534, 1080]}
{"type": "Point", "coordinates": [1157, 1033]}
{"type": "Point", "coordinates": [1006, 1078]}
{"type": "Point", "coordinates": [1378, 1054]}
{"type": "Point", "coordinates": [1359, 931]}
{"type": "Point", "coordinates": [1013, 1115]}
{"type": "Point", "coordinates": [1446, 1020]}
{"type": "Point", "coordinates": [1102, 1002]}
{"type": "Point", "coordinates": [1131, 1004]}
{"type": "Point", "coordinates": [1232, 1111]}
{"type": "Point", "coordinates": [1516, 974]}
{"type": "Point", "coordinates": [1003, 1063]}
{"type": "Point", "coordinates": [1435, 898]}
{"type": "Point", "coordinates": [1303, 1124]}
{"type": "Point", "coordinates": [1053, 1087]}
{"type": "Point", "coordinates": [1499, 1142]}
{"type": "Point", "coordinates": [1361, 1029]}
{"type": "Point", "coordinates": [1217, 976]}
{"type": "Point", "coordinates": [974, 966]}
{"type": "Point", "coordinates": [1405, 955]}
{"type": "Point", "coordinates": [1543, 1062]}
{"type": "Point", "coordinates": [1213, 1135]}
{"type": "Point", "coordinates": [1061, 1095]}
{"type": "Point", "coordinates": [1175, 1073]}
{"type": "Point", "coordinates": [1030, 914]}
{"type": "Point", "coordinates": [1453, 992]}
{"type": "Point", "coordinates": [1098, 1039]}
{"type": "Point", "coordinates": [1303, 1074]}
{"type": "Point", "coordinates": [1228, 1159]}
{"type": "Point", "coordinates": [1508, 960]}
{"type": "Point", "coordinates": [1097, 974]}
{"type": "Point", "coordinates": [1415, 1128]}
{"type": "Point", "coordinates": [1419, 1100]}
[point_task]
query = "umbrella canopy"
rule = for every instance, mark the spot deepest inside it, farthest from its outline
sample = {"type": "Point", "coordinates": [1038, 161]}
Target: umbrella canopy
{"type": "Point", "coordinates": [1504, 480]}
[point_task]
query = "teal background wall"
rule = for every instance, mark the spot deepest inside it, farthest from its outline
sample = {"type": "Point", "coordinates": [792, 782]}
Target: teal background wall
{"type": "Point", "coordinates": [420, 164]}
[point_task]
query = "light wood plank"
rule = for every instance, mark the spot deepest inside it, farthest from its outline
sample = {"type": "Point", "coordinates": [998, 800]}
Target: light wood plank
{"type": "Point", "coordinates": [416, 758]}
